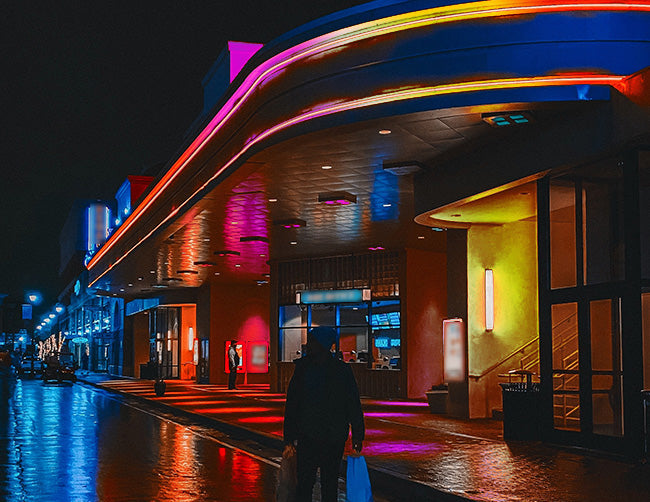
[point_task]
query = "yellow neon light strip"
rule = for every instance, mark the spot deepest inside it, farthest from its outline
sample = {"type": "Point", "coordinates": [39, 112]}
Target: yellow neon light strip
{"type": "Point", "coordinates": [388, 97]}
{"type": "Point", "coordinates": [428, 17]}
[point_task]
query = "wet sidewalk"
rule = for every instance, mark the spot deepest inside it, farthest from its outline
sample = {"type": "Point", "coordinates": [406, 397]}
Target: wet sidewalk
{"type": "Point", "coordinates": [419, 455]}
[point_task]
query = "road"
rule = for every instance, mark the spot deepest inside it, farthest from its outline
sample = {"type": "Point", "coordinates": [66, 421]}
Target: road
{"type": "Point", "coordinates": [77, 443]}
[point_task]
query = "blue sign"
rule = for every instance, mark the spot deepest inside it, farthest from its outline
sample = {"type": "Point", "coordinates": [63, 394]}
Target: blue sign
{"type": "Point", "coordinates": [382, 343]}
{"type": "Point", "coordinates": [332, 296]}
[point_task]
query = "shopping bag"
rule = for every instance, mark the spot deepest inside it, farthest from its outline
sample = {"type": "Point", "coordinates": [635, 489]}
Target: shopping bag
{"type": "Point", "coordinates": [287, 480]}
{"type": "Point", "coordinates": [357, 484]}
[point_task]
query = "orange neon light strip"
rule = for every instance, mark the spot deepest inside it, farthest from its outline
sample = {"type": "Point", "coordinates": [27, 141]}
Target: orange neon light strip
{"type": "Point", "coordinates": [428, 17]}
{"type": "Point", "coordinates": [388, 97]}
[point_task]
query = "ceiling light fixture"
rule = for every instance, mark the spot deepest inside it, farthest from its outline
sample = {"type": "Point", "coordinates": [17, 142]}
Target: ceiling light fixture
{"type": "Point", "coordinates": [326, 167]}
{"type": "Point", "coordinates": [337, 198]}
{"type": "Point", "coordinates": [293, 243]}
{"type": "Point", "coordinates": [384, 132]}
{"type": "Point", "coordinates": [403, 168]}
{"type": "Point", "coordinates": [204, 263]}
{"type": "Point", "coordinates": [254, 238]}
{"type": "Point", "coordinates": [291, 223]}
{"type": "Point", "coordinates": [272, 199]}
{"type": "Point", "coordinates": [499, 120]}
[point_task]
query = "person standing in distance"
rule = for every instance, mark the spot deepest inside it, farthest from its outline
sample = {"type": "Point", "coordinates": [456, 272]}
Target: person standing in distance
{"type": "Point", "coordinates": [233, 364]}
{"type": "Point", "coordinates": [322, 404]}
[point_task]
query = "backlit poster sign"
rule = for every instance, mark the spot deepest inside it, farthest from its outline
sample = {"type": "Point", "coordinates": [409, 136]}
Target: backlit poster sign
{"type": "Point", "coordinates": [242, 361]}
{"type": "Point", "coordinates": [258, 357]}
{"type": "Point", "coordinates": [453, 343]}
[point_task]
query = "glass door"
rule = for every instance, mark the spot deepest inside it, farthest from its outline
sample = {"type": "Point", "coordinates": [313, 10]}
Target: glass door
{"type": "Point", "coordinates": [164, 341]}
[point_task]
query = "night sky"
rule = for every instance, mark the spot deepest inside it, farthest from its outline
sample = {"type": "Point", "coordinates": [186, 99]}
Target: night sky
{"type": "Point", "coordinates": [93, 91]}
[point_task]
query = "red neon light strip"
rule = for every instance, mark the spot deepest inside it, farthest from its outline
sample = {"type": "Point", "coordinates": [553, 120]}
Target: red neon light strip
{"type": "Point", "coordinates": [438, 15]}
{"type": "Point", "coordinates": [422, 92]}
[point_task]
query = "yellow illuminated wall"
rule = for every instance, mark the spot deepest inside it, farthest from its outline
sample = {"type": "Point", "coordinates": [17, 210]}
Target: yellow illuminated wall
{"type": "Point", "coordinates": [510, 250]}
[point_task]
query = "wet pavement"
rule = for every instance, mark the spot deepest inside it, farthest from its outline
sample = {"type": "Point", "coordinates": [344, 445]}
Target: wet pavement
{"type": "Point", "coordinates": [77, 443]}
{"type": "Point", "coordinates": [428, 457]}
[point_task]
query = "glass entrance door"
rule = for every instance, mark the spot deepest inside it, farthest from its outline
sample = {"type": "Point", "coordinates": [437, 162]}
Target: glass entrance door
{"type": "Point", "coordinates": [164, 325]}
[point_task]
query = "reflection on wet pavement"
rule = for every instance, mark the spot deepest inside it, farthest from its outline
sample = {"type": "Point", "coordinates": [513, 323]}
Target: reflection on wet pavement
{"type": "Point", "coordinates": [60, 443]}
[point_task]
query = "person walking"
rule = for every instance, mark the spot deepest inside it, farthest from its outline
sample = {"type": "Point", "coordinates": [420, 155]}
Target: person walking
{"type": "Point", "coordinates": [322, 404]}
{"type": "Point", "coordinates": [233, 364]}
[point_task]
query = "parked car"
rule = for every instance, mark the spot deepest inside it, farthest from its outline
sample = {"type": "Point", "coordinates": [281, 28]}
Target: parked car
{"type": "Point", "coordinates": [59, 368]}
{"type": "Point", "coordinates": [30, 365]}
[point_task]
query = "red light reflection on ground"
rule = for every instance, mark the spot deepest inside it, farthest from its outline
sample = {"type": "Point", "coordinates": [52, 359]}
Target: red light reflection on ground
{"type": "Point", "coordinates": [239, 409]}
{"type": "Point", "coordinates": [262, 420]}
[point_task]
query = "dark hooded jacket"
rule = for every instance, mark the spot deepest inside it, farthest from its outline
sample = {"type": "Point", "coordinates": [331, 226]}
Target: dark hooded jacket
{"type": "Point", "coordinates": [323, 401]}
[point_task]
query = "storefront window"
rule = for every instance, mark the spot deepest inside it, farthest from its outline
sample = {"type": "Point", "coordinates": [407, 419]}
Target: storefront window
{"type": "Point", "coordinates": [607, 367]}
{"type": "Point", "coordinates": [603, 224]}
{"type": "Point", "coordinates": [385, 324]}
{"type": "Point", "coordinates": [566, 366]}
{"type": "Point", "coordinates": [644, 207]}
{"type": "Point", "coordinates": [369, 333]}
{"type": "Point", "coordinates": [563, 234]}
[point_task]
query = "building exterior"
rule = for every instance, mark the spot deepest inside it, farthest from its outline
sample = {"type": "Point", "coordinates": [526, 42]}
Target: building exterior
{"type": "Point", "coordinates": [461, 190]}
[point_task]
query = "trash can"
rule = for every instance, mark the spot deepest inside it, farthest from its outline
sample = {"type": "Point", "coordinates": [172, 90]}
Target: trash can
{"type": "Point", "coordinates": [521, 410]}
{"type": "Point", "coordinates": [645, 394]}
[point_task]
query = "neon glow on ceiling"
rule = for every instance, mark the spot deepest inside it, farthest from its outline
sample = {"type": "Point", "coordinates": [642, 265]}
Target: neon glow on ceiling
{"type": "Point", "coordinates": [401, 22]}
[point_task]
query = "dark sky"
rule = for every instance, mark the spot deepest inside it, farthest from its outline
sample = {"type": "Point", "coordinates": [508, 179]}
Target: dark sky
{"type": "Point", "coordinates": [92, 91]}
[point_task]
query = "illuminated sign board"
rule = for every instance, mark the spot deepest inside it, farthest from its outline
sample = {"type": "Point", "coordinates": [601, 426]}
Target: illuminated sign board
{"type": "Point", "coordinates": [453, 346]}
{"type": "Point", "coordinates": [240, 352]}
{"type": "Point", "coordinates": [331, 296]}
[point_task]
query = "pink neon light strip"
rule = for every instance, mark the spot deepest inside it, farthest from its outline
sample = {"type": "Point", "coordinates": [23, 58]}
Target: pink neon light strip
{"type": "Point", "coordinates": [401, 95]}
{"type": "Point", "coordinates": [438, 15]}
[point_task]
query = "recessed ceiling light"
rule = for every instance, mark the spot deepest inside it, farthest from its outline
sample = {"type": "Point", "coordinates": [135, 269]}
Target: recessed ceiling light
{"type": "Point", "coordinates": [130, 284]}
{"type": "Point", "coordinates": [384, 132]}
{"type": "Point", "coordinates": [326, 167]}
{"type": "Point", "coordinates": [206, 239]}
{"type": "Point", "coordinates": [263, 255]}
{"type": "Point", "coordinates": [293, 242]}
{"type": "Point", "coordinates": [121, 289]}
{"type": "Point", "coordinates": [420, 236]}
{"type": "Point", "coordinates": [337, 198]}
{"type": "Point", "coordinates": [273, 199]}
{"type": "Point", "coordinates": [387, 204]}
{"type": "Point", "coordinates": [291, 223]}
{"type": "Point", "coordinates": [204, 263]}
{"type": "Point", "coordinates": [140, 278]}
{"type": "Point", "coordinates": [233, 223]}
{"type": "Point", "coordinates": [152, 271]}
{"type": "Point", "coordinates": [254, 238]}
{"type": "Point", "coordinates": [217, 273]}
{"type": "Point", "coordinates": [237, 265]}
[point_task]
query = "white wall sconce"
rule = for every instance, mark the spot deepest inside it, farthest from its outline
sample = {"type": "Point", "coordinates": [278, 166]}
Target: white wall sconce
{"type": "Point", "coordinates": [489, 299]}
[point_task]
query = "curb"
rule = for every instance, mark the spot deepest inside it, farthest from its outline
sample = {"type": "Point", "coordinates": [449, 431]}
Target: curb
{"type": "Point", "coordinates": [389, 483]}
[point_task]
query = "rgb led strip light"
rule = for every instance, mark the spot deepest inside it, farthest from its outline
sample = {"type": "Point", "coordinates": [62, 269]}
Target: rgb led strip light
{"type": "Point", "coordinates": [428, 17]}
{"type": "Point", "coordinates": [422, 92]}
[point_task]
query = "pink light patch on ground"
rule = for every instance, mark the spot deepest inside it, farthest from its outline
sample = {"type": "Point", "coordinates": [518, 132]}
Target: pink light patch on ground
{"type": "Point", "coordinates": [375, 432]}
{"type": "Point", "coordinates": [376, 414]}
{"type": "Point", "coordinates": [415, 404]}
{"type": "Point", "coordinates": [393, 447]}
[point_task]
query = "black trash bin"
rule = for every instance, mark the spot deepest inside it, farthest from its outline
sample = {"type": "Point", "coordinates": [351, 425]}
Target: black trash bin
{"type": "Point", "coordinates": [521, 410]}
